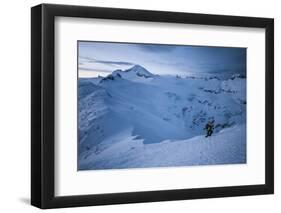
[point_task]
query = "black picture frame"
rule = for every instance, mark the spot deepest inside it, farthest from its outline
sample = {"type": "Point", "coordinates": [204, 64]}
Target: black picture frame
{"type": "Point", "coordinates": [43, 105]}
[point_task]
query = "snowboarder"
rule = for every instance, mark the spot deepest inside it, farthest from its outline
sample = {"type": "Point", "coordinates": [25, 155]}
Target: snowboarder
{"type": "Point", "coordinates": [210, 128]}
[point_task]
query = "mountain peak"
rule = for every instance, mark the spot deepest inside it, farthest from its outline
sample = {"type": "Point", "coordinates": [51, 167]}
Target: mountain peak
{"type": "Point", "coordinates": [140, 71]}
{"type": "Point", "coordinates": [135, 72]}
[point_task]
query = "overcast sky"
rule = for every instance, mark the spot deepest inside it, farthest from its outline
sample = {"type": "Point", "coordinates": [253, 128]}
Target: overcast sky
{"type": "Point", "coordinates": [104, 57]}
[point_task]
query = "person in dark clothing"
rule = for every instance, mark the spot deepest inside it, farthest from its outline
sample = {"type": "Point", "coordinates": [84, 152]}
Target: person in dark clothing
{"type": "Point", "coordinates": [210, 128]}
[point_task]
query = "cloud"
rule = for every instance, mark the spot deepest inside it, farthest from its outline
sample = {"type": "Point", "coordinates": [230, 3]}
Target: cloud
{"type": "Point", "coordinates": [163, 59]}
{"type": "Point", "coordinates": [93, 69]}
{"type": "Point", "coordinates": [92, 60]}
{"type": "Point", "coordinates": [114, 62]}
{"type": "Point", "coordinates": [156, 48]}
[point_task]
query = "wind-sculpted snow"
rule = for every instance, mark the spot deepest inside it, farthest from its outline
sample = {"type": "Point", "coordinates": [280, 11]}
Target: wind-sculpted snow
{"type": "Point", "coordinates": [134, 113]}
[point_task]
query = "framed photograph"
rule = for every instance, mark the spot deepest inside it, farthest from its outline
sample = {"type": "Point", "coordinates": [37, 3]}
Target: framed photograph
{"type": "Point", "coordinates": [139, 106]}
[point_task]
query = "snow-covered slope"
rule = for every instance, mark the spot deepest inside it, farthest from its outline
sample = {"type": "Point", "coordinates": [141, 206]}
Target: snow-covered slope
{"type": "Point", "coordinates": [137, 108]}
{"type": "Point", "coordinates": [227, 147]}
